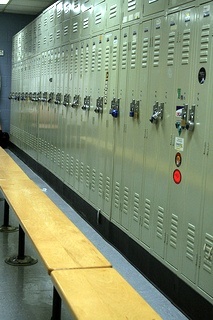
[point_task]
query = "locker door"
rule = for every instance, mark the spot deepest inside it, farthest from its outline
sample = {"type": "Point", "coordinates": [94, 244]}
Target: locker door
{"type": "Point", "coordinates": [175, 3]}
{"type": "Point", "coordinates": [204, 91]}
{"type": "Point", "coordinates": [175, 191]}
{"type": "Point", "coordinates": [193, 144]}
{"type": "Point", "coordinates": [151, 7]}
{"type": "Point", "coordinates": [132, 11]}
{"type": "Point", "coordinates": [94, 122]}
{"type": "Point", "coordinates": [106, 136]}
{"type": "Point", "coordinates": [129, 197]}
{"type": "Point", "coordinates": [137, 223]}
{"type": "Point", "coordinates": [118, 120]}
{"type": "Point", "coordinates": [113, 14]}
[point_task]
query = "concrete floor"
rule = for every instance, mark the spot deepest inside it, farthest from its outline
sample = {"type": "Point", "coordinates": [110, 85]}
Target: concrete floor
{"type": "Point", "coordinates": [26, 292]}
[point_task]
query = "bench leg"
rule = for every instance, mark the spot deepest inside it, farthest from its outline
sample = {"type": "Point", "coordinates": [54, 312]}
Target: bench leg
{"type": "Point", "coordinates": [21, 259]}
{"type": "Point", "coordinates": [56, 308]}
{"type": "Point", "coordinates": [6, 227]}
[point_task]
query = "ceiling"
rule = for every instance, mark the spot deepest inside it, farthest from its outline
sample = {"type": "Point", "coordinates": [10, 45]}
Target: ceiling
{"type": "Point", "coordinates": [34, 7]}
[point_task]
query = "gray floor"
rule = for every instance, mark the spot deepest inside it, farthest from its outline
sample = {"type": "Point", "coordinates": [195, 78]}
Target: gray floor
{"type": "Point", "coordinates": [26, 292]}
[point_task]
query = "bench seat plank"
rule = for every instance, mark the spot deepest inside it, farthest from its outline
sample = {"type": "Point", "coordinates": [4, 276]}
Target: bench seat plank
{"type": "Point", "coordinates": [58, 241]}
{"type": "Point", "coordinates": [94, 294]}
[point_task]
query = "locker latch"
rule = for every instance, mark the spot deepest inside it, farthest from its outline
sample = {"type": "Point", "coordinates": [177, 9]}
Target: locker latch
{"type": "Point", "coordinates": [66, 102]}
{"type": "Point", "coordinates": [191, 122]}
{"type": "Point", "coordinates": [51, 97]}
{"type": "Point", "coordinates": [181, 124]}
{"type": "Point", "coordinates": [99, 105]}
{"type": "Point", "coordinates": [134, 109]}
{"type": "Point", "coordinates": [115, 104]}
{"type": "Point", "coordinates": [58, 98]}
{"type": "Point", "coordinates": [158, 110]}
{"type": "Point", "coordinates": [76, 101]}
{"type": "Point", "coordinates": [44, 97]}
{"type": "Point", "coordinates": [86, 105]}
{"type": "Point", "coordinates": [34, 97]}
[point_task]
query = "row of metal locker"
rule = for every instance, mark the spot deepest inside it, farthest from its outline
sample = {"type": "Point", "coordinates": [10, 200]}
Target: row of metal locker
{"type": "Point", "coordinates": [71, 20]}
{"type": "Point", "coordinates": [124, 119]}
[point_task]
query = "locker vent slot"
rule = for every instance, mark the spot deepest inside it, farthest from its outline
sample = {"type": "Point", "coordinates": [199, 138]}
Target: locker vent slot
{"type": "Point", "coordinates": [98, 17]}
{"type": "Point", "coordinates": [71, 166]}
{"type": "Point", "coordinates": [66, 29]}
{"type": "Point", "coordinates": [160, 220]}
{"type": "Point", "coordinates": [75, 27]}
{"type": "Point", "coordinates": [204, 43]}
{"type": "Point", "coordinates": [87, 176]}
{"type": "Point", "coordinates": [59, 11]}
{"type": "Point", "coordinates": [81, 62]}
{"type": "Point", "coordinates": [190, 242]}
{"type": "Point", "coordinates": [45, 41]}
{"type": "Point", "coordinates": [62, 160]}
{"type": "Point", "coordinates": [171, 49]}
{"type": "Point", "coordinates": [76, 3]}
{"type": "Point", "coordinates": [114, 57]}
{"type": "Point", "coordinates": [113, 11]}
{"type": "Point", "coordinates": [66, 62]}
{"type": "Point", "coordinates": [131, 5]}
{"type": "Point", "coordinates": [208, 253]}
{"type": "Point", "coordinates": [93, 59]}
{"type": "Point", "coordinates": [156, 51]}
{"type": "Point", "coordinates": [173, 231]}
{"type": "Point", "coordinates": [133, 54]}
{"type": "Point", "coordinates": [59, 157]}
{"type": "Point", "coordinates": [45, 22]}
{"type": "Point", "coordinates": [147, 214]}
{"type": "Point", "coordinates": [58, 34]}
{"type": "Point", "coordinates": [99, 59]}
{"type": "Point", "coordinates": [93, 180]}
{"type": "Point", "coordinates": [100, 185]}
{"type": "Point", "coordinates": [51, 17]}
{"type": "Point", "coordinates": [145, 52]}
{"type": "Point", "coordinates": [76, 61]}
{"type": "Point", "coordinates": [51, 38]}
{"type": "Point", "coordinates": [76, 169]}
{"type": "Point", "coordinates": [107, 189]}
{"type": "Point", "coordinates": [136, 207]}
{"type": "Point", "coordinates": [186, 47]}
{"type": "Point", "coordinates": [126, 200]}
{"type": "Point", "coordinates": [55, 155]}
{"type": "Point", "coordinates": [87, 59]}
{"type": "Point", "coordinates": [117, 195]}
{"type": "Point", "coordinates": [86, 23]}
{"type": "Point", "coordinates": [39, 28]}
{"type": "Point", "coordinates": [82, 172]}
{"type": "Point", "coordinates": [67, 8]}
{"type": "Point", "coordinates": [107, 58]}
{"type": "Point", "coordinates": [124, 55]}
{"type": "Point", "coordinates": [67, 163]}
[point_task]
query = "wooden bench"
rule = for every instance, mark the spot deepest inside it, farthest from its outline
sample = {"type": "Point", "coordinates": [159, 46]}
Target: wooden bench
{"type": "Point", "coordinates": [94, 294]}
{"type": "Point", "coordinates": [81, 275]}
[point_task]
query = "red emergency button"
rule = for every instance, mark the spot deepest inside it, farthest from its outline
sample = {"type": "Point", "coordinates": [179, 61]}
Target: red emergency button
{"type": "Point", "coordinates": [177, 176]}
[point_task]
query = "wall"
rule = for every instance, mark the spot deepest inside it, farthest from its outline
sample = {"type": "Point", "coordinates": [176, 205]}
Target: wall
{"type": "Point", "coordinates": [10, 25]}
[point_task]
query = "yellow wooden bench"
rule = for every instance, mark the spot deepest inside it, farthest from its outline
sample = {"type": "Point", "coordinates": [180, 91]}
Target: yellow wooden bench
{"type": "Point", "coordinates": [94, 294]}
{"type": "Point", "coordinates": [81, 275]}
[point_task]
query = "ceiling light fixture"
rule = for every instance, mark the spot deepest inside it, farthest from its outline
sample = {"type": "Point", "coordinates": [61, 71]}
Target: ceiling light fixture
{"type": "Point", "coordinates": [4, 1]}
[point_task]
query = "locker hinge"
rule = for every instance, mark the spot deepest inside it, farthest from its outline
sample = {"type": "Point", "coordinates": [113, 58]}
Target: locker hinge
{"type": "Point", "coordinates": [166, 238]}
{"type": "Point", "coordinates": [199, 261]}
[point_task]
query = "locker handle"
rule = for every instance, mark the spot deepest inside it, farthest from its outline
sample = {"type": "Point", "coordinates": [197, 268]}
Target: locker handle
{"type": "Point", "coordinates": [208, 254]}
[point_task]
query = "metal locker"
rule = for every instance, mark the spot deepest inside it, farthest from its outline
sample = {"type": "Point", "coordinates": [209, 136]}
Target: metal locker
{"type": "Point", "coordinates": [86, 4]}
{"type": "Point", "coordinates": [177, 3]}
{"type": "Point", "coordinates": [75, 25]}
{"type": "Point", "coordinates": [111, 42]}
{"type": "Point", "coordinates": [201, 145]}
{"type": "Point", "coordinates": [76, 7]}
{"type": "Point", "coordinates": [113, 14]}
{"type": "Point", "coordinates": [98, 18]}
{"type": "Point", "coordinates": [132, 11]}
{"type": "Point", "coordinates": [205, 256]}
{"type": "Point", "coordinates": [94, 124]}
{"type": "Point", "coordinates": [67, 6]}
{"type": "Point", "coordinates": [131, 112]}
{"type": "Point", "coordinates": [152, 7]}
{"type": "Point", "coordinates": [66, 31]}
{"type": "Point", "coordinates": [117, 112]}
{"type": "Point", "coordinates": [59, 10]}
{"type": "Point", "coordinates": [86, 24]}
